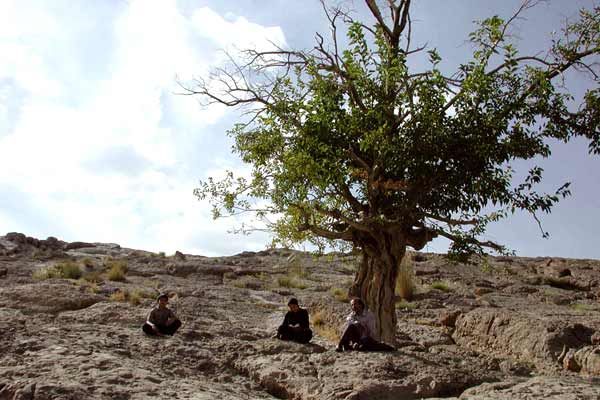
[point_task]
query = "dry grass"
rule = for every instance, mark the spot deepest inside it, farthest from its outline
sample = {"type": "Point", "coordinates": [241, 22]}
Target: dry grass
{"type": "Point", "coordinates": [405, 283]}
{"type": "Point", "coordinates": [405, 305]}
{"type": "Point", "coordinates": [340, 295]}
{"type": "Point", "coordinates": [93, 277]}
{"type": "Point", "coordinates": [290, 282]}
{"type": "Point", "coordinates": [117, 269]}
{"type": "Point", "coordinates": [65, 269]}
{"type": "Point", "coordinates": [321, 322]}
{"type": "Point", "coordinates": [441, 285]}
{"type": "Point", "coordinates": [88, 262]}
{"type": "Point", "coordinates": [134, 297]}
{"type": "Point", "coordinates": [119, 295]}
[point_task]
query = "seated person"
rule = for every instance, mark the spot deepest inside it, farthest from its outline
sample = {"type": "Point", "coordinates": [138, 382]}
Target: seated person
{"type": "Point", "coordinates": [161, 320]}
{"type": "Point", "coordinates": [295, 324]}
{"type": "Point", "coordinates": [360, 332]}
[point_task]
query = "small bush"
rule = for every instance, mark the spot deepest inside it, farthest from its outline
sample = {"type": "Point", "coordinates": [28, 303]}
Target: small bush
{"type": "Point", "coordinates": [584, 307]}
{"type": "Point", "coordinates": [340, 295]}
{"type": "Point", "coordinates": [93, 276]}
{"type": "Point", "coordinates": [119, 295]}
{"type": "Point", "coordinates": [443, 286]}
{"type": "Point", "coordinates": [66, 270]}
{"type": "Point", "coordinates": [289, 282]}
{"type": "Point", "coordinates": [321, 322]}
{"type": "Point", "coordinates": [135, 297]}
{"type": "Point", "coordinates": [405, 286]}
{"type": "Point", "coordinates": [405, 305]}
{"type": "Point", "coordinates": [88, 262]}
{"type": "Point", "coordinates": [117, 269]}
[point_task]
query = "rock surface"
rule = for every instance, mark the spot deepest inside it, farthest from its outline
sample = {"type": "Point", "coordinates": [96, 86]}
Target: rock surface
{"type": "Point", "coordinates": [503, 328]}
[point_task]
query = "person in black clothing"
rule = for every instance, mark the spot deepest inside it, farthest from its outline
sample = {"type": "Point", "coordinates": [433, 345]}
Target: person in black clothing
{"type": "Point", "coordinates": [295, 324]}
{"type": "Point", "coordinates": [161, 320]}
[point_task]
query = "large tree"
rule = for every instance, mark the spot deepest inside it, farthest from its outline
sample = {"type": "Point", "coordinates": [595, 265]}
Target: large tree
{"type": "Point", "coordinates": [356, 145]}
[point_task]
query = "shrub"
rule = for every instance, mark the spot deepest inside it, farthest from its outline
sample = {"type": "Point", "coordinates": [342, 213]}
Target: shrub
{"type": "Point", "coordinates": [340, 295]}
{"type": "Point", "coordinates": [289, 282]}
{"type": "Point", "coordinates": [135, 297]}
{"type": "Point", "coordinates": [93, 276]}
{"type": "Point", "coordinates": [88, 262]}
{"type": "Point", "coordinates": [439, 285]}
{"type": "Point", "coordinates": [66, 269]}
{"type": "Point", "coordinates": [321, 322]}
{"type": "Point", "coordinates": [405, 286]}
{"type": "Point", "coordinates": [119, 295]}
{"type": "Point", "coordinates": [405, 305]}
{"type": "Point", "coordinates": [117, 269]}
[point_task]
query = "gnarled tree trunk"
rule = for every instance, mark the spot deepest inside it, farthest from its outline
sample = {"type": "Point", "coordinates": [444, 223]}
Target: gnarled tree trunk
{"type": "Point", "coordinates": [375, 284]}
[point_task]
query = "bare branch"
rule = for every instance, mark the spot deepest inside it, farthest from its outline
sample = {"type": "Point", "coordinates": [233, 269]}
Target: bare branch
{"type": "Point", "coordinates": [450, 221]}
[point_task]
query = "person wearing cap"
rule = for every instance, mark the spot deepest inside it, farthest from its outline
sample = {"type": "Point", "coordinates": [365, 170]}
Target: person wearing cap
{"type": "Point", "coordinates": [161, 320]}
{"type": "Point", "coordinates": [295, 325]}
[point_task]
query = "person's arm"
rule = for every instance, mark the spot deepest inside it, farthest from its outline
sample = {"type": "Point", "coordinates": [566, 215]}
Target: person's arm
{"type": "Point", "coordinates": [304, 320]}
{"type": "Point", "coordinates": [151, 320]}
{"type": "Point", "coordinates": [286, 319]}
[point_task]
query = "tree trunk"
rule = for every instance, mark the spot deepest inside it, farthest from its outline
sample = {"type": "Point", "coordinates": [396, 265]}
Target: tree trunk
{"type": "Point", "coordinates": [375, 284]}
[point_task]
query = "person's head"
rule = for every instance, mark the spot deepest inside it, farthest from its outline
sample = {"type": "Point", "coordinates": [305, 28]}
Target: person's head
{"type": "Point", "coordinates": [293, 305]}
{"type": "Point", "coordinates": [357, 305]}
{"type": "Point", "coordinates": [163, 300]}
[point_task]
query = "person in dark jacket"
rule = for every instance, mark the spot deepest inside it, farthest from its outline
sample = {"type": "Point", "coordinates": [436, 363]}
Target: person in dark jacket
{"type": "Point", "coordinates": [161, 320]}
{"type": "Point", "coordinates": [295, 325]}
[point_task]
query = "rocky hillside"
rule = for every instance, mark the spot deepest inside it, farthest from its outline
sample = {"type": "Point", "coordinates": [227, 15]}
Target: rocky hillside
{"type": "Point", "coordinates": [501, 328]}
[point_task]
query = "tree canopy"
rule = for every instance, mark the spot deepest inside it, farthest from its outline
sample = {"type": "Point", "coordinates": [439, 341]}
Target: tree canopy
{"type": "Point", "coordinates": [353, 145]}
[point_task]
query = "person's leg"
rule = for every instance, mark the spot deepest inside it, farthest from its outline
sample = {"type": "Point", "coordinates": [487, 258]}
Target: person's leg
{"type": "Point", "coordinates": [171, 329]}
{"type": "Point", "coordinates": [304, 336]}
{"type": "Point", "coordinates": [284, 333]}
{"type": "Point", "coordinates": [350, 335]}
{"type": "Point", "coordinates": [148, 330]}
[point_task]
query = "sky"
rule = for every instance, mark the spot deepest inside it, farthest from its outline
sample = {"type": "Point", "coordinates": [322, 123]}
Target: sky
{"type": "Point", "coordinates": [96, 144]}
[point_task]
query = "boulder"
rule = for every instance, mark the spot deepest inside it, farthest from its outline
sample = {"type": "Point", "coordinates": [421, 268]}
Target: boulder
{"type": "Point", "coordinates": [526, 337]}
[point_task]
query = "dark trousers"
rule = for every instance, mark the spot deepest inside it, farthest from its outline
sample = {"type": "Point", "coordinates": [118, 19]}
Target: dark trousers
{"type": "Point", "coordinates": [351, 340]}
{"type": "Point", "coordinates": [284, 332]}
{"type": "Point", "coordinates": [164, 329]}
{"type": "Point", "coordinates": [350, 337]}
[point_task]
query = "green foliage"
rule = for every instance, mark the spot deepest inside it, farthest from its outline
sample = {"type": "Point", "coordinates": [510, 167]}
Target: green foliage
{"type": "Point", "coordinates": [440, 285]}
{"type": "Point", "coordinates": [65, 269]}
{"type": "Point", "coordinates": [340, 295]}
{"type": "Point", "coordinates": [290, 282]}
{"type": "Point", "coordinates": [358, 147]}
{"type": "Point", "coordinates": [405, 305]}
{"type": "Point", "coordinates": [117, 269]}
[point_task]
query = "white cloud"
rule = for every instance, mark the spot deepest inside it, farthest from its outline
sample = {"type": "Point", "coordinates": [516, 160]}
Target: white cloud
{"type": "Point", "coordinates": [100, 153]}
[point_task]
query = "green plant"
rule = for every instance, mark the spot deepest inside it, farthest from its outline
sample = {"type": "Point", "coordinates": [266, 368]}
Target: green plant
{"type": "Point", "coordinates": [441, 285]}
{"type": "Point", "coordinates": [323, 325]}
{"type": "Point", "coordinates": [93, 276]}
{"type": "Point", "coordinates": [119, 295]}
{"type": "Point", "coordinates": [289, 282]}
{"type": "Point", "coordinates": [65, 269]}
{"type": "Point", "coordinates": [405, 305]}
{"type": "Point", "coordinates": [88, 262]}
{"type": "Point", "coordinates": [117, 269]}
{"type": "Point", "coordinates": [405, 286]}
{"type": "Point", "coordinates": [486, 267]}
{"type": "Point", "coordinates": [340, 295]}
{"type": "Point", "coordinates": [584, 307]}
{"type": "Point", "coordinates": [361, 145]}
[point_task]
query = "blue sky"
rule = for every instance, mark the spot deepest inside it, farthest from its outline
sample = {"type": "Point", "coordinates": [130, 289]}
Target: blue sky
{"type": "Point", "coordinates": [96, 146]}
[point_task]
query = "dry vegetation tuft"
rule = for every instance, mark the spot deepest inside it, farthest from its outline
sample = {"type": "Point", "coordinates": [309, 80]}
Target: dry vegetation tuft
{"type": "Point", "coordinates": [405, 286]}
